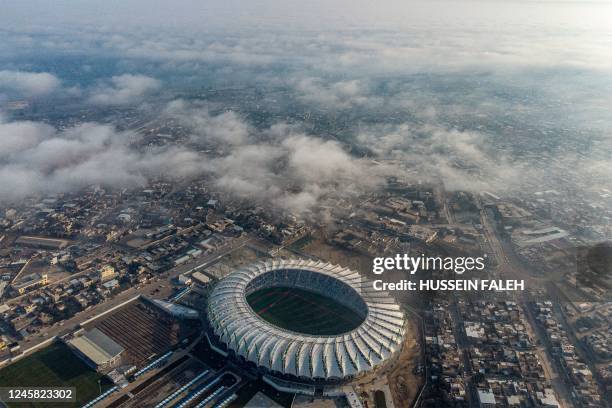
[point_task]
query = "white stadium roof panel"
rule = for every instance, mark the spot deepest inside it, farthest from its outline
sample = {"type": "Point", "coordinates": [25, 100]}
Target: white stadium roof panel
{"type": "Point", "coordinates": [304, 355]}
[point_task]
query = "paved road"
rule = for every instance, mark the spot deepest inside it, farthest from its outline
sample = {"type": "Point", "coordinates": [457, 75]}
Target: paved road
{"type": "Point", "coordinates": [552, 368]}
{"type": "Point", "coordinates": [463, 347]}
{"type": "Point", "coordinates": [510, 267]}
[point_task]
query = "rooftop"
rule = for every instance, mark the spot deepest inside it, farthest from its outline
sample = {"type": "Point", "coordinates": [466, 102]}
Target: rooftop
{"type": "Point", "coordinates": [97, 346]}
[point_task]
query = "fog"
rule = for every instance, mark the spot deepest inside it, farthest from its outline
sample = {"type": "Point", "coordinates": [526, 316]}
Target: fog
{"type": "Point", "coordinates": [485, 94]}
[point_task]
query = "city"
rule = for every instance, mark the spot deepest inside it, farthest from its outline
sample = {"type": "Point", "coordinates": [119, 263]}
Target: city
{"type": "Point", "coordinates": [193, 218]}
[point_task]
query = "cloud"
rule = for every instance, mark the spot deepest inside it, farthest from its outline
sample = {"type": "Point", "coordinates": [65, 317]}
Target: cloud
{"type": "Point", "coordinates": [463, 160]}
{"type": "Point", "coordinates": [224, 128]}
{"type": "Point", "coordinates": [279, 166]}
{"type": "Point", "coordinates": [340, 95]}
{"type": "Point", "coordinates": [28, 84]}
{"type": "Point", "coordinates": [484, 100]}
{"type": "Point", "coordinates": [19, 136]}
{"type": "Point", "coordinates": [118, 90]}
{"type": "Point", "coordinates": [297, 174]}
{"type": "Point", "coordinates": [123, 90]}
{"type": "Point", "coordinates": [45, 160]}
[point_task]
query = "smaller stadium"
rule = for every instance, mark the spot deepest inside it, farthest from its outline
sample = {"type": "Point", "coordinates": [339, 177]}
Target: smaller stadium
{"type": "Point", "coordinates": [305, 320]}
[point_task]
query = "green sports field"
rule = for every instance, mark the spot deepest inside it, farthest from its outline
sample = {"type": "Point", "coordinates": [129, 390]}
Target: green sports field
{"type": "Point", "coordinates": [54, 366]}
{"type": "Point", "coordinates": [303, 311]}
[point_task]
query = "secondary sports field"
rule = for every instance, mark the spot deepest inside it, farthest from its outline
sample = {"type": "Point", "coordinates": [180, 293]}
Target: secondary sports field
{"type": "Point", "coordinates": [54, 366]}
{"type": "Point", "coordinates": [303, 311]}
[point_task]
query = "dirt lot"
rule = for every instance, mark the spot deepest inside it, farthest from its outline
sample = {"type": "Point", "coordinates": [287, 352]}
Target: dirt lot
{"type": "Point", "coordinates": [404, 384]}
{"type": "Point", "coordinates": [354, 260]}
{"type": "Point", "coordinates": [397, 375]}
{"type": "Point", "coordinates": [241, 257]}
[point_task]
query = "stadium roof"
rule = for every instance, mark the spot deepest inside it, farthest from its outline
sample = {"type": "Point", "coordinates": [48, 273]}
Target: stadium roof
{"type": "Point", "coordinates": [301, 355]}
{"type": "Point", "coordinates": [177, 310]}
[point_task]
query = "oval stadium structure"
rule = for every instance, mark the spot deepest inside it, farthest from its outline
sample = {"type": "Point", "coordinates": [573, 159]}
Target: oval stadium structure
{"type": "Point", "coordinates": [340, 328]}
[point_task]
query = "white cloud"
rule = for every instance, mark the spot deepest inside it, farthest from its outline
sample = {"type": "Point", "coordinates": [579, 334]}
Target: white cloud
{"type": "Point", "coordinates": [459, 158]}
{"type": "Point", "coordinates": [224, 128]}
{"type": "Point", "coordinates": [339, 95]}
{"type": "Point", "coordinates": [50, 161]}
{"type": "Point", "coordinates": [123, 89]}
{"type": "Point", "coordinates": [279, 166]}
{"type": "Point", "coordinates": [503, 67]}
{"type": "Point", "coordinates": [28, 84]}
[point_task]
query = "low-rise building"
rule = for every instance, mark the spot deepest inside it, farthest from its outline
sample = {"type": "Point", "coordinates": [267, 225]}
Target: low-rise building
{"type": "Point", "coordinates": [107, 273]}
{"type": "Point", "coordinates": [97, 349]}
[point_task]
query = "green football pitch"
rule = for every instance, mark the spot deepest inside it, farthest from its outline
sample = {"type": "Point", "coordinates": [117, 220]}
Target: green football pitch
{"type": "Point", "coordinates": [303, 311]}
{"type": "Point", "coordinates": [54, 366]}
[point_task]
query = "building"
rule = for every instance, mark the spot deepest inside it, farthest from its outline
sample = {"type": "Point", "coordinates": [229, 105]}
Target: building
{"type": "Point", "coordinates": [181, 312]}
{"type": "Point", "coordinates": [200, 278]}
{"type": "Point", "coordinates": [97, 349]}
{"type": "Point", "coordinates": [548, 399]}
{"type": "Point", "coordinates": [111, 284]}
{"type": "Point", "coordinates": [486, 399]}
{"type": "Point", "coordinates": [184, 279]}
{"type": "Point", "coordinates": [181, 260]}
{"type": "Point", "coordinates": [107, 273]}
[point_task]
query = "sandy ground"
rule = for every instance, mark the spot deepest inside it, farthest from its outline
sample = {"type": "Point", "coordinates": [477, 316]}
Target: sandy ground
{"type": "Point", "coordinates": [396, 379]}
{"type": "Point", "coordinates": [403, 382]}
{"type": "Point", "coordinates": [303, 401]}
{"type": "Point", "coordinates": [339, 256]}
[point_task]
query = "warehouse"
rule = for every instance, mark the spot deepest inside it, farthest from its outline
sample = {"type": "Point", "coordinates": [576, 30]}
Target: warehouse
{"type": "Point", "coordinates": [97, 349]}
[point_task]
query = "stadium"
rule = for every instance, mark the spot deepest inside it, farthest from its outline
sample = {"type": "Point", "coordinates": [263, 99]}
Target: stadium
{"type": "Point", "coordinates": [305, 320]}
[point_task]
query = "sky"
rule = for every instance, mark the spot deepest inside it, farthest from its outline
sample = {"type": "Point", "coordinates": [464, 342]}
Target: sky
{"type": "Point", "coordinates": [443, 70]}
{"type": "Point", "coordinates": [316, 14]}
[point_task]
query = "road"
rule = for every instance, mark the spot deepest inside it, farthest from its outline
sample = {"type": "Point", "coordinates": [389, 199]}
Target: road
{"type": "Point", "coordinates": [511, 267]}
{"type": "Point", "coordinates": [552, 368]}
{"type": "Point", "coordinates": [440, 197]}
{"type": "Point", "coordinates": [463, 346]}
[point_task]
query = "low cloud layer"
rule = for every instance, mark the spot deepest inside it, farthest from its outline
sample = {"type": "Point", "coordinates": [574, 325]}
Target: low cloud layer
{"type": "Point", "coordinates": [123, 90]}
{"type": "Point", "coordinates": [279, 166]}
{"type": "Point", "coordinates": [37, 159]}
{"type": "Point", "coordinates": [486, 97]}
{"type": "Point", "coordinates": [29, 84]}
{"type": "Point", "coordinates": [463, 160]}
